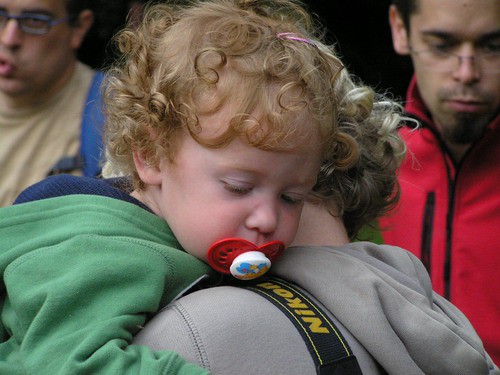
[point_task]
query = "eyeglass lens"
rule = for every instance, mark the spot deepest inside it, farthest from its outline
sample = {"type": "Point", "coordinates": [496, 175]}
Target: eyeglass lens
{"type": "Point", "coordinates": [31, 23]}
{"type": "Point", "coordinates": [448, 62]}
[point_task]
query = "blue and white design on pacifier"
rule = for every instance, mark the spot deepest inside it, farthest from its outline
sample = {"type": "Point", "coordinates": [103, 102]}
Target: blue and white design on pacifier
{"type": "Point", "coordinates": [243, 259]}
{"type": "Point", "coordinates": [250, 265]}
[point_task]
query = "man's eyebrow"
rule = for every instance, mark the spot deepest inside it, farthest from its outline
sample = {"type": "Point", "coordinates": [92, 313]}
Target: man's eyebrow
{"type": "Point", "coordinates": [37, 11]}
{"type": "Point", "coordinates": [495, 34]}
{"type": "Point", "coordinates": [29, 11]}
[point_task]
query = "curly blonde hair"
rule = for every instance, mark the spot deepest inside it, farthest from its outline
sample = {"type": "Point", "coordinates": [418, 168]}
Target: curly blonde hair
{"type": "Point", "coordinates": [266, 58]}
{"type": "Point", "coordinates": [366, 189]}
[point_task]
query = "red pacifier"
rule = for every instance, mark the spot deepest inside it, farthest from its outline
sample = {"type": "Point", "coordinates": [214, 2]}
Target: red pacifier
{"type": "Point", "coordinates": [243, 259]}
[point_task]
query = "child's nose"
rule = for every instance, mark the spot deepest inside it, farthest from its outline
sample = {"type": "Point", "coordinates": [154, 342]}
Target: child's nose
{"type": "Point", "coordinates": [263, 219]}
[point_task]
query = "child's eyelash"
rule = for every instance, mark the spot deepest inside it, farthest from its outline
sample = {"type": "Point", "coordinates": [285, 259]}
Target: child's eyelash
{"type": "Point", "coordinates": [242, 190]}
{"type": "Point", "coordinates": [236, 189]}
{"type": "Point", "coordinates": [291, 200]}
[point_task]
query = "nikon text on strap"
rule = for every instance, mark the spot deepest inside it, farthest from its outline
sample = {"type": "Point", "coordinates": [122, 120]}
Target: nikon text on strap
{"type": "Point", "coordinates": [329, 350]}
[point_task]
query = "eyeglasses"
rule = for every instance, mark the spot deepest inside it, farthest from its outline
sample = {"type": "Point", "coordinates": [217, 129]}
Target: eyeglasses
{"type": "Point", "coordinates": [32, 23]}
{"type": "Point", "coordinates": [444, 61]}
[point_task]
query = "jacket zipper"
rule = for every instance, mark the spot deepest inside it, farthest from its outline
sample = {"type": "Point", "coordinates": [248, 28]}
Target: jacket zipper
{"type": "Point", "coordinates": [449, 231]}
{"type": "Point", "coordinates": [427, 230]}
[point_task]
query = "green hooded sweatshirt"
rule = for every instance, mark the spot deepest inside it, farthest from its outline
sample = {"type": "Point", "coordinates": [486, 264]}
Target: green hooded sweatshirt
{"type": "Point", "coordinates": [80, 276]}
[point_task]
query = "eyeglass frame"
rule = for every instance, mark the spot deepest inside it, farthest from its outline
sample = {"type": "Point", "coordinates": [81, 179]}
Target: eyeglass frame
{"type": "Point", "coordinates": [476, 58]}
{"type": "Point", "coordinates": [49, 20]}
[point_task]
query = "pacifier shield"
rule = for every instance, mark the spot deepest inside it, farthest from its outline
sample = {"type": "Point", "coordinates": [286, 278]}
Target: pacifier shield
{"type": "Point", "coordinates": [250, 265]}
{"type": "Point", "coordinates": [222, 254]}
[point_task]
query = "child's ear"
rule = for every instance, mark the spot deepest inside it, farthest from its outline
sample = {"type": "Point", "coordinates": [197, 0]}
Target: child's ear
{"type": "Point", "coordinates": [149, 173]}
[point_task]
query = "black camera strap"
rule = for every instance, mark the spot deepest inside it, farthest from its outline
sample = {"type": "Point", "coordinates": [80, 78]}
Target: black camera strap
{"type": "Point", "coordinates": [328, 348]}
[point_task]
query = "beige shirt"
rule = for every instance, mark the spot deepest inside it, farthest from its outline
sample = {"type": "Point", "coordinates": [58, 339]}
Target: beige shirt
{"type": "Point", "coordinates": [32, 140]}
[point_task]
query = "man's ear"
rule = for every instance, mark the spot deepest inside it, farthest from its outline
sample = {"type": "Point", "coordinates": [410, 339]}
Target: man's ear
{"type": "Point", "coordinates": [400, 37]}
{"type": "Point", "coordinates": [148, 173]}
{"type": "Point", "coordinates": [81, 26]}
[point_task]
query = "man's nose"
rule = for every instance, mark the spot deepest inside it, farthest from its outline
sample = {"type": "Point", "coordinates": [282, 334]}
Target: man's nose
{"type": "Point", "coordinates": [468, 70]}
{"type": "Point", "coordinates": [10, 33]}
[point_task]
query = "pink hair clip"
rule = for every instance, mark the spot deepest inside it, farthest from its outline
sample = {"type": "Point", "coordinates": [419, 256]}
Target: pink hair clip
{"type": "Point", "coordinates": [293, 36]}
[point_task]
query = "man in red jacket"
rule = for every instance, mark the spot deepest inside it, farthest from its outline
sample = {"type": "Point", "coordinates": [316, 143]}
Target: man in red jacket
{"type": "Point", "coordinates": [449, 213]}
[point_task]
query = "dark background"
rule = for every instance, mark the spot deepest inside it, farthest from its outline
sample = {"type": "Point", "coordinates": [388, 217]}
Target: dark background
{"type": "Point", "coordinates": [359, 29]}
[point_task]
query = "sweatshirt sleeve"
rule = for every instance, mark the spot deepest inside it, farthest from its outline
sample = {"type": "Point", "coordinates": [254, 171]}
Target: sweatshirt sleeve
{"type": "Point", "coordinates": [73, 308]}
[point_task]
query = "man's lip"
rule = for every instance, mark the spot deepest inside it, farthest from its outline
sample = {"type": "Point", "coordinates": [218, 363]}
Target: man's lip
{"type": "Point", "coordinates": [6, 67]}
{"type": "Point", "coordinates": [465, 105]}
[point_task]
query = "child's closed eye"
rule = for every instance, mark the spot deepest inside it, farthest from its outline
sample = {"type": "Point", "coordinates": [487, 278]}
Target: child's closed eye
{"type": "Point", "coordinates": [294, 199]}
{"type": "Point", "coordinates": [237, 189]}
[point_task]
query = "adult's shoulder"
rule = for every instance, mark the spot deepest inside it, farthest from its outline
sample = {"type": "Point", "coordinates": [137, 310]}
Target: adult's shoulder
{"type": "Point", "coordinates": [390, 263]}
{"type": "Point", "coordinates": [365, 285]}
{"type": "Point", "coordinates": [230, 330]}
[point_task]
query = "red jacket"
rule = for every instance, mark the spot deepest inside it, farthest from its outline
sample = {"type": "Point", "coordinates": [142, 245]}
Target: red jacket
{"type": "Point", "coordinates": [449, 216]}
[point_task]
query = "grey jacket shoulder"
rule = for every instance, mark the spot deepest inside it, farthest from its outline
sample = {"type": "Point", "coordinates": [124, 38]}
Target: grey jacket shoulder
{"type": "Point", "coordinates": [366, 285]}
{"type": "Point", "coordinates": [230, 330]}
{"type": "Point", "coordinates": [379, 296]}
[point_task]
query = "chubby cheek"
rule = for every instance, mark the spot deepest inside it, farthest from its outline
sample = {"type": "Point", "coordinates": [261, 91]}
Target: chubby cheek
{"type": "Point", "coordinates": [211, 224]}
{"type": "Point", "coordinates": [288, 226]}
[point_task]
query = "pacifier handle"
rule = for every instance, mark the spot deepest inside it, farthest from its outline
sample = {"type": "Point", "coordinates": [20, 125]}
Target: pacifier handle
{"type": "Point", "coordinates": [243, 259]}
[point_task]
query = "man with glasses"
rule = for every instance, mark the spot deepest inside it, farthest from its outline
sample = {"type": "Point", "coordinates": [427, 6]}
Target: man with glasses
{"type": "Point", "coordinates": [449, 213]}
{"type": "Point", "coordinates": [44, 92]}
